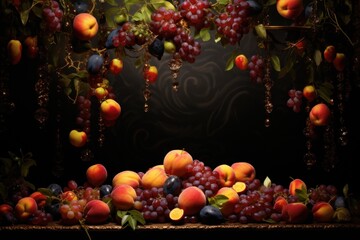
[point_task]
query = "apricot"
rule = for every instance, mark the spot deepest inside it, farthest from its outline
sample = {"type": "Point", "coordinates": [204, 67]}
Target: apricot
{"type": "Point", "coordinates": [123, 197]}
{"type": "Point", "coordinates": [77, 138]}
{"type": "Point", "coordinates": [322, 212]}
{"type": "Point", "coordinates": [126, 177]}
{"type": "Point", "coordinates": [175, 162]}
{"type": "Point", "coordinates": [154, 177]}
{"type": "Point", "coordinates": [96, 175]}
{"type": "Point", "coordinates": [192, 200]}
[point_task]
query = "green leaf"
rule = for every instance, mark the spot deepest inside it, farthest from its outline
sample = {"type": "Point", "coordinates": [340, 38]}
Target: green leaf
{"type": "Point", "coordinates": [25, 167]}
{"type": "Point", "coordinates": [121, 214]}
{"type": "Point", "coordinates": [260, 31]}
{"type": "Point", "coordinates": [112, 2]}
{"type": "Point", "coordinates": [205, 34]}
{"type": "Point", "coordinates": [218, 200]}
{"type": "Point", "coordinates": [132, 223]}
{"type": "Point", "coordinates": [230, 61]}
{"type": "Point", "coordinates": [286, 69]}
{"type": "Point", "coordinates": [269, 3]}
{"type": "Point", "coordinates": [124, 220]}
{"type": "Point", "coordinates": [275, 62]}
{"type": "Point", "coordinates": [302, 194]}
{"type": "Point", "coordinates": [317, 57]}
{"type": "Point", "coordinates": [137, 216]}
{"type": "Point", "coordinates": [267, 182]}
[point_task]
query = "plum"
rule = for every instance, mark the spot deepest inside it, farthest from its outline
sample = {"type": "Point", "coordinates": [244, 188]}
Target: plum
{"type": "Point", "coordinates": [95, 63]}
{"type": "Point", "coordinates": [55, 188]}
{"type": "Point", "coordinates": [172, 185]}
{"type": "Point", "coordinates": [211, 215]}
{"type": "Point", "coordinates": [105, 190]}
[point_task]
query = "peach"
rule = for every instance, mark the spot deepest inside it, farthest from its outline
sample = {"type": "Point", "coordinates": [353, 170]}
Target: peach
{"type": "Point", "coordinates": [96, 212]}
{"type": "Point", "coordinates": [39, 198]}
{"type": "Point", "coordinates": [320, 114]}
{"type": "Point", "coordinates": [14, 49]}
{"type": "Point", "coordinates": [241, 61]}
{"type": "Point", "coordinates": [32, 49]}
{"type": "Point", "coordinates": [309, 93]}
{"type": "Point", "coordinates": [154, 177]}
{"type": "Point", "coordinates": [295, 212]}
{"type": "Point", "coordinates": [329, 53]}
{"type": "Point", "coordinates": [322, 212]}
{"type": "Point", "coordinates": [226, 175]}
{"type": "Point", "coordinates": [192, 200]}
{"type": "Point", "coordinates": [279, 204]}
{"type": "Point", "coordinates": [297, 184]}
{"type": "Point", "coordinates": [244, 171]}
{"type": "Point", "coordinates": [339, 62]}
{"type": "Point", "coordinates": [110, 109]}
{"type": "Point", "coordinates": [116, 66]}
{"type": "Point", "coordinates": [77, 138]}
{"type": "Point", "coordinates": [123, 197]}
{"type": "Point", "coordinates": [25, 208]}
{"type": "Point", "coordinates": [85, 26]}
{"type": "Point", "coordinates": [96, 174]}
{"type": "Point", "coordinates": [127, 177]}
{"type": "Point", "coordinates": [175, 162]}
{"type": "Point", "coordinates": [290, 9]}
{"type": "Point", "coordinates": [68, 196]}
{"type": "Point", "coordinates": [227, 207]}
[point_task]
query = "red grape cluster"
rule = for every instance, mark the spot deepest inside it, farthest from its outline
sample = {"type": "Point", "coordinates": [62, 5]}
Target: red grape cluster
{"type": "Point", "coordinates": [41, 218]}
{"type": "Point", "coordinates": [256, 68]}
{"type": "Point", "coordinates": [196, 12]}
{"type": "Point", "coordinates": [83, 118]}
{"type": "Point", "coordinates": [164, 22]}
{"type": "Point", "coordinates": [154, 204]}
{"type": "Point", "coordinates": [325, 193]}
{"type": "Point", "coordinates": [124, 36]}
{"type": "Point", "coordinates": [203, 177]}
{"type": "Point", "coordinates": [188, 47]}
{"type": "Point", "coordinates": [53, 15]}
{"type": "Point", "coordinates": [72, 212]}
{"type": "Point", "coordinates": [234, 23]}
{"type": "Point", "coordinates": [295, 100]}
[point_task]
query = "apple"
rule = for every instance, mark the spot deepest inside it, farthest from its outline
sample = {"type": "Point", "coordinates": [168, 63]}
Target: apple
{"type": "Point", "coordinates": [309, 93]}
{"type": "Point", "coordinates": [290, 9]}
{"type": "Point", "coordinates": [339, 61]}
{"type": "Point", "coordinates": [329, 53]}
{"type": "Point", "coordinates": [151, 74]}
{"type": "Point", "coordinates": [241, 61]}
{"type": "Point", "coordinates": [14, 49]}
{"type": "Point", "coordinates": [101, 93]}
{"type": "Point", "coordinates": [110, 109]}
{"type": "Point", "coordinates": [116, 66]}
{"type": "Point", "coordinates": [85, 26]}
{"type": "Point", "coordinates": [77, 138]}
{"type": "Point", "coordinates": [226, 175]}
{"type": "Point", "coordinates": [319, 114]}
{"type": "Point", "coordinates": [96, 174]}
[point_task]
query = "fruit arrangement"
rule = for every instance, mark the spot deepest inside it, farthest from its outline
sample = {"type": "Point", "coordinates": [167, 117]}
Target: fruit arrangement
{"type": "Point", "coordinates": [179, 190]}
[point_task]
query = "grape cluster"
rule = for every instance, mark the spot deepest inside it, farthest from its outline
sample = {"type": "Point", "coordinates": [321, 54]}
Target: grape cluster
{"type": "Point", "coordinates": [41, 218]}
{"type": "Point", "coordinates": [203, 177]}
{"type": "Point", "coordinates": [196, 12]}
{"type": "Point", "coordinates": [122, 36]}
{"type": "Point", "coordinates": [84, 114]}
{"type": "Point", "coordinates": [188, 47]}
{"type": "Point", "coordinates": [326, 193]}
{"type": "Point", "coordinates": [52, 15]}
{"type": "Point", "coordinates": [233, 23]}
{"type": "Point", "coordinates": [72, 212]}
{"type": "Point", "coordinates": [256, 68]}
{"type": "Point", "coordinates": [295, 100]}
{"type": "Point", "coordinates": [154, 204]}
{"type": "Point", "coordinates": [164, 22]}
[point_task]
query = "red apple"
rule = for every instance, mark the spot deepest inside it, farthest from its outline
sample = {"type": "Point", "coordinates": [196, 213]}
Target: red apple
{"type": "Point", "coordinates": [290, 9]}
{"type": "Point", "coordinates": [85, 26]}
{"type": "Point", "coordinates": [116, 66]}
{"type": "Point", "coordinates": [309, 92]}
{"type": "Point", "coordinates": [151, 74]}
{"type": "Point", "coordinates": [241, 61]}
{"type": "Point", "coordinates": [320, 114]}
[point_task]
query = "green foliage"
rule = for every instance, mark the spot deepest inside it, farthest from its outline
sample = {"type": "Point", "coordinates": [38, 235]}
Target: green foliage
{"type": "Point", "coordinates": [218, 200]}
{"type": "Point", "coordinates": [130, 218]}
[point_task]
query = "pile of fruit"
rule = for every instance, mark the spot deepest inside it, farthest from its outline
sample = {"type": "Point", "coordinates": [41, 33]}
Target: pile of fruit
{"type": "Point", "coordinates": [181, 190]}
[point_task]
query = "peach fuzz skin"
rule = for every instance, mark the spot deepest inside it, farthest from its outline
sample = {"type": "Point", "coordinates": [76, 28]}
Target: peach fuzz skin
{"type": "Point", "coordinates": [226, 175]}
{"type": "Point", "coordinates": [290, 9]}
{"type": "Point", "coordinates": [96, 212]}
{"type": "Point", "coordinates": [296, 212]}
{"type": "Point", "coordinates": [25, 207]}
{"type": "Point", "coordinates": [233, 198]}
{"type": "Point", "coordinates": [154, 177]}
{"type": "Point", "coordinates": [322, 212]}
{"type": "Point", "coordinates": [96, 175]}
{"type": "Point", "coordinates": [296, 184]}
{"type": "Point", "coordinates": [110, 109]}
{"type": "Point", "coordinates": [123, 197]}
{"type": "Point", "coordinates": [175, 162]}
{"type": "Point", "coordinates": [244, 171]}
{"type": "Point", "coordinates": [85, 26]}
{"type": "Point", "coordinates": [192, 200]}
{"type": "Point", "coordinates": [319, 114]}
{"type": "Point", "coordinates": [127, 177]}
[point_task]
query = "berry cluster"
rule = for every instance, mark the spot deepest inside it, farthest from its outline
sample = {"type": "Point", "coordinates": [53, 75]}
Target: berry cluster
{"type": "Point", "coordinates": [295, 100]}
{"type": "Point", "coordinates": [53, 15]}
{"type": "Point", "coordinates": [256, 68]}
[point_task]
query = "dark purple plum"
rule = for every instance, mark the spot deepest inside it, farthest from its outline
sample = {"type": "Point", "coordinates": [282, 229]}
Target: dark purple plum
{"type": "Point", "coordinates": [172, 185]}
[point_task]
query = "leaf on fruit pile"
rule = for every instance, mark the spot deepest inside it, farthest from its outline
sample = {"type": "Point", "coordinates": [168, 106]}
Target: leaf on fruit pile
{"type": "Point", "coordinates": [317, 57]}
{"type": "Point", "coordinates": [325, 91]}
{"type": "Point", "coordinates": [260, 31]}
{"type": "Point", "coordinates": [130, 218]}
{"type": "Point", "coordinates": [267, 182]}
{"type": "Point", "coordinates": [302, 195]}
{"type": "Point", "coordinates": [230, 61]}
{"type": "Point", "coordinates": [275, 62]}
{"type": "Point", "coordinates": [218, 200]}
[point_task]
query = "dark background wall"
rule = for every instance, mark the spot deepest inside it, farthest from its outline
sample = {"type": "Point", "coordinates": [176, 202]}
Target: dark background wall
{"type": "Point", "coordinates": [217, 116]}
